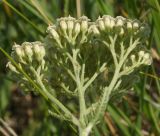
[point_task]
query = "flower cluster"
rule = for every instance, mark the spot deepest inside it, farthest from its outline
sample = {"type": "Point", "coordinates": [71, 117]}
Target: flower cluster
{"type": "Point", "coordinates": [143, 58]}
{"type": "Point", "coordinates": [78, 31]}
{"type": "Point", "coordinates": [29, 53]}
{"type": "Point", "coordinates": [69, 29]}
{"type": "Point", "coordinates": [122, 26]}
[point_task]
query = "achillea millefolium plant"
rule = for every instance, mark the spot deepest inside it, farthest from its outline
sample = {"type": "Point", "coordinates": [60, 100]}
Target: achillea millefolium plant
{"type": "Point", "coordinates": [79, 57]}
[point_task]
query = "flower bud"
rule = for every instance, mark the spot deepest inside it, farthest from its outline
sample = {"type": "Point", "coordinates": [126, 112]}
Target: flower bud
{"type": "Point", "coordinates": [141, 54]}
{"type": "Point", "coordinates": [133, 57]}
{"type": "Point", "coordinates": [135, 25]}
{"type": "Point", "coordinates": [119, 21]}
{"type": "Point", "coordinates": [28, 50]}
{"type": "Point", "coordinates": [70, 25]}
{"type": "Point", "coordinates": [112, 23]}
{"type": "Point", "coordinates": [77, 28]}
{"type": "Point", "coordinates": [93, 29]}
{"type": "Point", "coordinates": [84, 23]}
{"type": "Point", "coordinates": [101, 24]}
{"type": "Point", "coordinates": [36, 48]}
{"type": "Point", "coordinates": [147, 59]}
{"type": "Point", "coordinates": [63, 25]}
{"type": "Point", "coordinates": [106, 21]}
{"type": "Point", "coordinates": [12, 67]}
{"type": "Point", "coordinates": [37, 51]}
{"type": "Point", "coordinates": [121, 33]}
{"type": "Point", "coordinates": [19, 52]}
{"type": "Point", "coordinates": [51, 30]}
{"type": "Point", "coordinates": [15, 46]}
{"type": "Point", "coordinates": [42, 51]}
{"type": "Point", "coordinates": [146, 56]}
{"type": "Point", "coordinates": [129, 26]}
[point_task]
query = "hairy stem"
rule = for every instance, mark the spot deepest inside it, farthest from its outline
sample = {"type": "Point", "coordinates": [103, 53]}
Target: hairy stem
{"type": "Point", "coordinates": [116, 76]}
{"type": "Point", "coordinates": [53, 99]}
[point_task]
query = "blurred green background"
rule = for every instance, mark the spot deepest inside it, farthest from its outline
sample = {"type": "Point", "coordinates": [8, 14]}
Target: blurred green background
{"type": "Point", "coordinates": [137, 114]}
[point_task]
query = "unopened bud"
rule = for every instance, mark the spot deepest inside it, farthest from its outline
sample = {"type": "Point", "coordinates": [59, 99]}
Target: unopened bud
{"type": "Point", "coordinates": [112, 23]}
{"type": "Point", "coordinates": [42, 51]}
{"type": "Point", "coordinates": [63, 25]}
{"type": "Point", "coordinates": [93, 29]}
{"type": "Point", "coordinates": [70, 25]}
{"type": "Point", "coordinates": [37, 51]}
{"type": "Point", "coordinates": [106, 19]}
{"type": "Point", "coordinates": [101, 24]}
{"type": "Point", "coordinates": [36, 47]}
{"type": "Point", "coordinates": [119, 21]}
{"type": "Point", "coordinates": [121, 32]}
{"type": "Point", "coordinates": [147, 59]}
{"type": "Point", "coordinates": [19, 52]}
{"type": "Point", "coordinates": [129, 26]}
{"type": "Point", "coordinates": [141, 54]}
{"type": "Point", "coordinates": [146, 56]}
{"type": "Point", "coordinates": [11, 67]}
{"type": "Point", "coordinates": [135, 25]}
{"type": "Point", "coordinates": [84, 23]}
{"type": "Point", "coordinates": [133, 57]}
{"type": "Point", "coordinates": [77, 28]}
{"type": "Point", "coordinates": [28, 50]}
{"type": "Point", "coordinates": [51, 30]}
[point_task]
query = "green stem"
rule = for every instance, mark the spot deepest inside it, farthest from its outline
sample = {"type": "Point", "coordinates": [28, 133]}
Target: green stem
{"type": "Point", "coordinates": [53, 99]}
{"type": "Point", "coordinates": [116, 76]}
{"type": "Point", "coordinates": [82, 132]}
{"type": "Point", "coordinates": [77, 68]}
{"type": "Point", "coordinates": [105, 97]}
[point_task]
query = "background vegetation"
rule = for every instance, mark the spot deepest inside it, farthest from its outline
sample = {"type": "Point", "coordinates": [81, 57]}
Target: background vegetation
{"type": "Point", "coordinates": [137, 114]}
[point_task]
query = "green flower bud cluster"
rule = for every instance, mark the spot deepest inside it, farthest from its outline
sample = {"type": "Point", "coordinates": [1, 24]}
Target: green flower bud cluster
{"type": "Point", "coordinates": [69, 29]}
{"type": "Point", "coordinates": [29, 53]}
{"type": "Point", "coordinates": [122, 26]}
{"type": "Point", "coordinates": [144, 58]}
{"type": "Point", "coordinates": [79, 30]}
